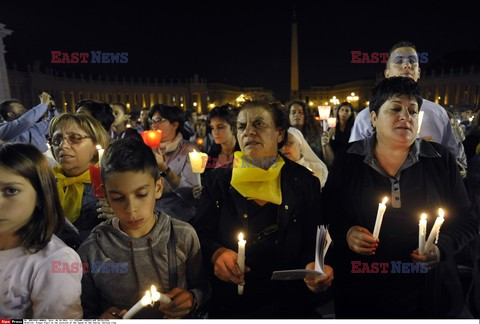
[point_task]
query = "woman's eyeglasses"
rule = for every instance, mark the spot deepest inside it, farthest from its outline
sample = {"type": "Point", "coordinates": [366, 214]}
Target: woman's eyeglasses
{"type": "Point", "coordinates": [157, 121]}
{"type": "Point", "coordinates": [72, 139]}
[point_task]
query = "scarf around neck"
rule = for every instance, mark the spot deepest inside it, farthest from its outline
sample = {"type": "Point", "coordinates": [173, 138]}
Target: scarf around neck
{"type": "Point", "coordinates": [170, 146]}
{"type": "Point", "coordinates": [70, 192]}
{"type": "Point", "coordinates": [253, 182]}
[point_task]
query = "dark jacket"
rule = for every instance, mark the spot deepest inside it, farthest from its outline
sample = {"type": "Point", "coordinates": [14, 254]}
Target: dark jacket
{"type": "Point", "coordinates": [223, 213]}
{"type": "Point", "coordinates": [429, 179]}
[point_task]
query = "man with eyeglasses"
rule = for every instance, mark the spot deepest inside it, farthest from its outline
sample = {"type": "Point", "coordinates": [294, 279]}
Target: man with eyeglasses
{"type": "Point", "coordinates": [403, 61]}
{"type": "Point", "coordinates": [24, 125]}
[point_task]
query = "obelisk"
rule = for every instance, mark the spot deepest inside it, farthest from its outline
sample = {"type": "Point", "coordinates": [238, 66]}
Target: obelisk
{"type": "Point", "coordinates": [294, 86]}
{"type": "Point", "coordinates": [4, 86]}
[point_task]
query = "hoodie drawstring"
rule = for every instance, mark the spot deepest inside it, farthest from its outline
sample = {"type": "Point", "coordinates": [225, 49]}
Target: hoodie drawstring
{"type": "Point", "coordinates": [131, 243]}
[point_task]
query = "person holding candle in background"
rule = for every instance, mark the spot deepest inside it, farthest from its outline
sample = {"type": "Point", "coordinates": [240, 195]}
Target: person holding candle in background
{"type": "Point", "coordinates": [275, 204]}
{"type": "Point", "coordinates": [417, 176]}
{"type": "Point", "coordinates": [73, 138]}
{"type": "Point", "coordinates": [144, 241]}
{"type": "Point", "coordinates": [336, 139]}
{"type": "Point", "coordinates": [222, 121]}
{"type": "Point", "coordinates": [173, 161]}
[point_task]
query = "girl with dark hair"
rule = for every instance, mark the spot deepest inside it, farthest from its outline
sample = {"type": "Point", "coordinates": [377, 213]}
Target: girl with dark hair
{"type": "Point", "coordinates": [337, 138]}
{"type": "Point", "coordinates": [301, 118]}
{"type": "Point", "coordinates": [32, 257]}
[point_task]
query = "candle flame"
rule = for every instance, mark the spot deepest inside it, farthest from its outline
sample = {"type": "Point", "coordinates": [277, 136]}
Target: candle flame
{"type": "Point", "coordinates": [441, 213]}
{"type": "Point", "coordinates": [99, 147]}
{"type": "Point", "coordinates": [146, 299]}
{"type": "Point", "coordinates": [155, 293]}
{"type": "Point", "coordinates": [423, 217]}
{"type": "Point", "coordinates": [240, 237]}
{"type": "Point", "coordinates": [384, 201]}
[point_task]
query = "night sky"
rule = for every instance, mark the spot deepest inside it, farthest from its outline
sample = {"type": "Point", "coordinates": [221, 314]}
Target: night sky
{"type": "Point", "coordinates": [240, 43]}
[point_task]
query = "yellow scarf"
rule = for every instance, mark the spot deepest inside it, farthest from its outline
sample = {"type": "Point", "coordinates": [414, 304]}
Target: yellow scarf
{"type": "Point", "coordinates": [253, 182]}
{"type": "Point", "coordinates": [70, 191]}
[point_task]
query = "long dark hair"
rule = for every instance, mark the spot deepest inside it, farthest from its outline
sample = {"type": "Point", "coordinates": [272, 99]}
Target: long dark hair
{"type": "Point", "coordinates": [310, 129]}
{"type": "Point", "coordinates": [47, 219]}
{"type": "Point", "coordinates": [350, 120]}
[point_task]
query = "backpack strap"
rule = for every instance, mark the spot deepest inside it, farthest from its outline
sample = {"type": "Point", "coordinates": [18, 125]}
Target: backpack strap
{"type": "Point", "coordinates": [172, 259]}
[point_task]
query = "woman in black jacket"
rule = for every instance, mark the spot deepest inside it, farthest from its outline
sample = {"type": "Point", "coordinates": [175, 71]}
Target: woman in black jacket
{"type": "Point", "coordinates": [275, 203]}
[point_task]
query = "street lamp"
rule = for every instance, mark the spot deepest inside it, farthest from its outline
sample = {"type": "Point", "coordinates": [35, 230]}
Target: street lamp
{"type": "Point", "coordinates": [352, 97]}
{"type": "Point", "coordinates": [334, 100]}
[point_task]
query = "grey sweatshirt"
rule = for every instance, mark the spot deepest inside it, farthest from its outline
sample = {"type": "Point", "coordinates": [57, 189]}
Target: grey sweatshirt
{"type": "Point", "coordinates": [121, 268]}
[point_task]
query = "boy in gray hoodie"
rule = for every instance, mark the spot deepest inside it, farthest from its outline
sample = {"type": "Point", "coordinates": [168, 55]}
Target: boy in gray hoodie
{"type": "Point", "coordinates": [139, 247]}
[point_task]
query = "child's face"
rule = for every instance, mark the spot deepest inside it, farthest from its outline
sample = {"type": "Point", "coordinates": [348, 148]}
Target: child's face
{"type": "Point", "coordinates": [132, 196]}
{"type": "Point", "coordinates": [17, 201]}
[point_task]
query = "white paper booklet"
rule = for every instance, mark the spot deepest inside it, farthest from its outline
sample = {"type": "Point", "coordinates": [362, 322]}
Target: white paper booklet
{"type": "Point", "coordinates": [322, 244]}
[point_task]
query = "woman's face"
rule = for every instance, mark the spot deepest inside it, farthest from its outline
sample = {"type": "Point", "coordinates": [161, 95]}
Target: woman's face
{"type": "Point", "coordinates": [221, 130]}
{"type": "Point", "coordinates": [168, 129]}
{"type": "Point", "coordinates": [73, 149]}
{"type": "Point", "coordinates": [201, 129]}
{"type": "Point", "coordinates": [397, 121]}
{"type": "Point", "coordinates": [296, 116]}
{"type": "Point", "coordinates": [292, 149]}
{"type": "Point", "coordinates": [257, 134]}
{"type": "Point", "coordinates": [120, 117]}
{"type": "Point", "coordinates": [344, 114]}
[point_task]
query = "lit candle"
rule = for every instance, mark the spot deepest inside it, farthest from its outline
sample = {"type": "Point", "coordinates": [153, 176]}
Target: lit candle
{"type": "Point", "coordinates": [378, 221]}
{"type": "Point", "coordinates": [198, 161]}
{"type": "Point", "coordinates": [435, 231]}
{"type": "Point", "coordinates": [152, 138]}
{"type": "Point", "coordinates": [241, 258]}
{"type": "Point", "coordinates": [100, 154]}
{"type": "Point", "coordinates": [324, 113]}
{"type": "Point", "coordinates": [422, 233]}
{"type": "Point", "coordinates": [151, 296]}
{"type": "Point", "coordinates": [420, 119]}
{"type": "Point", "coordinates": [332, 122]}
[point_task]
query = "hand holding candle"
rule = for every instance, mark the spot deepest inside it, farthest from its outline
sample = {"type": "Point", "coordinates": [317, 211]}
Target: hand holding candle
{"type": "Point", "coordinates": [435, 231]}
{"type": "Point", "coordinates": [151, 296]}
{"type": "Point", "coordinates": [241, 258]}
{"type": "Point", "coordinates": [378, 221]}
{"type": "Point", "coordinates": [422, 233]}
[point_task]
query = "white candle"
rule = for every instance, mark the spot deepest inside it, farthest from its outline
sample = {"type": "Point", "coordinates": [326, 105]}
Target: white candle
{"type": "Point", "coordinates": [420, 119]}
{"type": "Point", "coordinates": [241, 258]}
{"type": "Point", "coordinates": [378, 221]}
{"type": "Point", "coordinates": [435, 230]}
{"type": "Point", "coordinates": [100, 153]}
{"type": "Point", "coordinates": [146, 300]}
{"type": "Point", "coordinates": [151, 296]}
{"type": "Point", "coordinates": [422, 233]}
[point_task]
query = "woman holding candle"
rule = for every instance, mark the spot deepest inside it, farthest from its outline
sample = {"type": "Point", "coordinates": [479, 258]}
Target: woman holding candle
{"type": "Point", "coordinates": [337, 138]}
{"type": "Point", "coordinates": [274, 203]}
{"type": "Point", "coordinates": [173, 162]}
{"type": "Point", "coordinates": [73, 138]}
{"type": "Point", "coordinates": [417, 176]}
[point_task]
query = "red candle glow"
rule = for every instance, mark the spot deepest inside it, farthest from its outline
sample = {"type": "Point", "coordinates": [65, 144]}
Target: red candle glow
{"type": "Point", "coordinates": [152, 138]}
{"type": "Point", "coordinates": [96, 180]}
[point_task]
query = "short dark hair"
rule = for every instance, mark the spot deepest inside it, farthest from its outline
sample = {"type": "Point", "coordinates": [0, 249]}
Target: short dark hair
{"type": "Point", "coordinates": [171, 113]}
{"type": "Point", "coordinates": [129, 154]}
{"type": "Point", "coordinates": [397, 46]}
{"type": "Point", "coordinates": [394, 86]}
{"type": "Point", "coordinates": [278, 115]}
{"type": "Point", "coordinates": [48, 218]}
{"type": "Point", "coordinates": [99, 110]}
{"type": "Point", "coordinates": [6, 107]}
{"type": "Point", "coordinates": [121, 105]}
{"type": "Point", "coordinates": [227, 113]}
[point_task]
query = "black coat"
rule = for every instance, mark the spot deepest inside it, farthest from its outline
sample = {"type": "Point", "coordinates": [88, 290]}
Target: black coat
{"type": "Point", "coordinates": [223, 213]}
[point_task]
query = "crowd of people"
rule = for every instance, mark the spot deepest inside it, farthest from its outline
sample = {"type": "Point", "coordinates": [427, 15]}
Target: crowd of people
{"type": "Point", "coordinates": [71, 248]}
